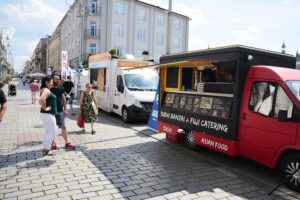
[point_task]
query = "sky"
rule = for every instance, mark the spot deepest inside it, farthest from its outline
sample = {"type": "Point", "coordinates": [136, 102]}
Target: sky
{"type": "Point", "coordinates": [263, 24]}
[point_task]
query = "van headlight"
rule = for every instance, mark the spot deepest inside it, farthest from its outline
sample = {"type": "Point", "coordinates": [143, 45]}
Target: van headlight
{"type": "Point", "coordinates": [135, 101]}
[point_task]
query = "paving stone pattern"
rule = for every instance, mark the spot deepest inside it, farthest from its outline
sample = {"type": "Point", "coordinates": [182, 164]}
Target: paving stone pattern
{"type": "Point", "coordinates": [116, 163]}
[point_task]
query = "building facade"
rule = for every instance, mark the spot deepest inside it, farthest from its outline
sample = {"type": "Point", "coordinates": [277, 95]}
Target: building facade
{"type": "Point", "coordinates": [128, 26]}
{"type": "Point", "coordinates": [54, 53]}
{"type": "Point", "coordinates": [39, 57]}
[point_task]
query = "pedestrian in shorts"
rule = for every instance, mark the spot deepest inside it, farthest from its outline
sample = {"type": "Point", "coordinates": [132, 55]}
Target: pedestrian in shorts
{"type": "Point", "coordinates": [68, 85]}
{"type": "Point", "coordinates": [59, 92]}
{"type": "Point", "coordinates": [34, 88]}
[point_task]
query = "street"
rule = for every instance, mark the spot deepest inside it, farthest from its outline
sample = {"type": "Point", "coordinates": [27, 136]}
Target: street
{"type": "Point", "coordinates": [119, 162]}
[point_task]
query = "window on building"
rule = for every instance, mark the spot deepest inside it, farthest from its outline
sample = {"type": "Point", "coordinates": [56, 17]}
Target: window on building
{"type": "Point", "coordinates": [176, 24]}
{"type": "Point", "coordinates": [141, 14]}
{"type": "Point", "coordinates": [262, 98]}
{"type": "Point", "coordinates": [119, 30]}
{"type": "Point", "coordinates": [93, 48]}
{"type": "Point", "coordinates": [93, 28]}
{"type": "Point", "coordinates": [141, 34]}
{"type": "Point", "coordinates": [120, 8]}
{"type": "Point", "coordinates": [176, 42]}
{"type": "Point", "coordinates": [94, 5]}
{"type": "Point", "coordinates": [119, 49]}
{"type": "Point", "coordinates": [160, 20]}
{"type": "Point", "coordinates": [160, 38]}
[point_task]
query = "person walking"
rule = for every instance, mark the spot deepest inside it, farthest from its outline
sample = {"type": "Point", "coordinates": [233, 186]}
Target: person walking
{"type": "Point", "coordinates": [3, 102]}
{"type": "Point", "coordinates": [62, 112]}
{"type": "Point", "coordinates": [69, 89]}
{"type": "Point", "coordinates": [48, 111]}
{"type": "Point", "coordinates": [24, 80]}
{"type": "Point", "coordinates": [34, 87]}
{"type": "Point", "coordinates": [86, 107]}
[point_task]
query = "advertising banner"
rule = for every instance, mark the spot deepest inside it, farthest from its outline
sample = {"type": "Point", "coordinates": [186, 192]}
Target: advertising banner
{"type": "Point", "coordinates": [208, 114]}
{"type": "Point", "coordinates": [64, 64]}
{"type": "Point", "coordinates": [153, 119]}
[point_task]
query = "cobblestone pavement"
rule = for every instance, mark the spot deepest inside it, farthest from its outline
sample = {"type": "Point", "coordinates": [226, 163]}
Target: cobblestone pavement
{"type": "Point", "coordinates": [116, 163]}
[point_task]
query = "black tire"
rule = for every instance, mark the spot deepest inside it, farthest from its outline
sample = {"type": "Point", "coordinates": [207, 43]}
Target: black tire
{"type": "Point", "coordinates": [289, 165]}
{"type": "Point", "coordinates": [125, 115]}
{"type": "Point", "coordinates": [191, 140]}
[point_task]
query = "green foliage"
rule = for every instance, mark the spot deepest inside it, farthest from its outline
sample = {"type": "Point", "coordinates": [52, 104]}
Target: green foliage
{"type": "Point", "coordinates": [85, 63]}
{"type": "Point", "coordinates": [113, 52]}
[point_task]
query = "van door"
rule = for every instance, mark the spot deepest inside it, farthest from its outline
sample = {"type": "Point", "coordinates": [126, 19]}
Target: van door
{"type": "Point", "coordinates": [118, 95]}
{"type": "Point", "coordinates": [261, 133]}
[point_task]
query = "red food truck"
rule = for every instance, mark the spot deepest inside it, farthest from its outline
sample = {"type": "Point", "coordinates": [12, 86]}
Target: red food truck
{"type": "Point", "coordinates": [237, 100]}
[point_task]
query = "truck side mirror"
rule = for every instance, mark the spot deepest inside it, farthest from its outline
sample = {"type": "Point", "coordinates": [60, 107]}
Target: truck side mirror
{"type": "Point", "coordinates": [282, 116]}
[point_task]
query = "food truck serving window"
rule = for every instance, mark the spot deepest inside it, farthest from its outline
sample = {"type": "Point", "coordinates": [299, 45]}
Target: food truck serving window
{"type": "Point", "coordinates": [94, 78]}
{"type": "Point", "coordinates": [98, 78]}
{"type": "Point", "coordinates": [172, 77]}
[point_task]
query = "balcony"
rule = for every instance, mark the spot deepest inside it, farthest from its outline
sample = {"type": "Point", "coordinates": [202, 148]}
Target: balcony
{"type": "Point", "coordinates": [92, 33]}
{"type": "Point", "coordinates": [93, 10]}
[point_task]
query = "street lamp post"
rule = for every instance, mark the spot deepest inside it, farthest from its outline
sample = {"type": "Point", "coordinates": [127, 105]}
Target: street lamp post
{"type": "Point", "coordinates": [79, 65]}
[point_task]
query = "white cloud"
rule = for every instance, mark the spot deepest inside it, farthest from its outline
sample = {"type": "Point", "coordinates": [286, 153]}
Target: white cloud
{"type": "Point", "coordinates": [195, 13]}
{"type": "Point", "coordinates": [30, 45]}
{"type": "Point", "coordinates": [250, 34]}
{"type": "Point", "coordinates": [19, 62]}
{"type": "Point", "coordinates": [196, 43]}
{"type": "Point", "coordinates": [30, 10]}
{"type": "Point", "coordinates": [160, 3]}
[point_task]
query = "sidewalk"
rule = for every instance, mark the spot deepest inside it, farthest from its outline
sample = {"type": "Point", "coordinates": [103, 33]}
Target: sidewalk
{"type": "Point", "coordinates": [116, 163]}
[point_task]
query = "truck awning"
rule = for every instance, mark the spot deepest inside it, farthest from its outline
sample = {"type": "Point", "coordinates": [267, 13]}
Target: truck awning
{"type": "Point", "coordinates": [200, 64]}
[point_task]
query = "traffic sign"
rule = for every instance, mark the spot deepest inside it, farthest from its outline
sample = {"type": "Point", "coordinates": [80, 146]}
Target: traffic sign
{"type": "Point", "coordinates": [79, 68]}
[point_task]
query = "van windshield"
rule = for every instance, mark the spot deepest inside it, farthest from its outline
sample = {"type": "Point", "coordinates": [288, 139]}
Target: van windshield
{"type": "Point", "coordinates": [140, 82]}
{"type": "Point", "coordinates": [295, 88]}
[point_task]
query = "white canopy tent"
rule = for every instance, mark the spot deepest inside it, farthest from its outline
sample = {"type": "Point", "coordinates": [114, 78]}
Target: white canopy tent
{"type": "Point", "coordinates": [37, 75]}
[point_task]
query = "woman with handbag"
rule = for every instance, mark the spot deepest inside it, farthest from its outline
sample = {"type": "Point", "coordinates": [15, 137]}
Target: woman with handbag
{"type": "Point", "coordinates": [48, 111]}
{"type": "Point", "coordinates": [88, 107]}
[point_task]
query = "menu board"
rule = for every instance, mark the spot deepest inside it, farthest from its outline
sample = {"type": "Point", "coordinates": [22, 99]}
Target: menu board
{"type": "Point", "coordinates": [212, 106]}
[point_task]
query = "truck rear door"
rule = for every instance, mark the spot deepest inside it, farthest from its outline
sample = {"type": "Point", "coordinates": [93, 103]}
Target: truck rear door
{"type": "Point", "coordinates": [261, 134]}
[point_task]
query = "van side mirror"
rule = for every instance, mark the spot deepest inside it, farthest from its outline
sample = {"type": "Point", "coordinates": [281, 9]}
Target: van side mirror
{"type": "Point", "coordinates": [121, 88]}
{"type": "Point", "coordinates": [282, 116]}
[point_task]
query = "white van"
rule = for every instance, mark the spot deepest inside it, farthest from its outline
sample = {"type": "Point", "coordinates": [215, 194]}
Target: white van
{"type": "Point", "coordinates": [123, 86]}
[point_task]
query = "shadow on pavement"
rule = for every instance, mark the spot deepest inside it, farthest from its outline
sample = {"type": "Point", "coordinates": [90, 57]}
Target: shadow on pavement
{"type": "Point", "coordinates": [31, 143]}
{"type": "Point", "coordinates": [15, 158]}
{"type": "Point", "coordinates": [152, 169]}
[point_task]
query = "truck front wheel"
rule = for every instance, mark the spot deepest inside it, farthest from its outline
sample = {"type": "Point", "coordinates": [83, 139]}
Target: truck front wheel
{"type": "Point", "coordinates": [191, 140]}
{"type": "Point", "coordinates": [290, 171]}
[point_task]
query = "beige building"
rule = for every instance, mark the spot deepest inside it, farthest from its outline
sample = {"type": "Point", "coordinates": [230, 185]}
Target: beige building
{"type": "Point", "coordinates": [39, 57]}
{"type": "Point", "coordinates": [54, 50]}
{"type": "Point", "coordinates": [129, 26]}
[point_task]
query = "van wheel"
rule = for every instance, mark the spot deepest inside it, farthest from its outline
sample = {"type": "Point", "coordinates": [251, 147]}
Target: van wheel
{"type": "Point", "coordinates": [191, 140]}
{"type": "Point", "coordinates": [290, 171]}
{"type": "Point", "coordinates": [125, 115]}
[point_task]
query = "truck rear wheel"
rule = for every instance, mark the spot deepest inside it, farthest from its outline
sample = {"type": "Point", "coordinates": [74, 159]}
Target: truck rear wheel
{"type": "Point", "coordinates": [290, 171]}
{"type": "Point", "coordinates": [125, 115]}
{"type": "Point", "coordinates": [191, 140]}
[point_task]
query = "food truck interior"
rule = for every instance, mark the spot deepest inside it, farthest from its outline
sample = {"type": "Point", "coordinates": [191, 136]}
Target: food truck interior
{"type": "Point", "coordinates": [208, 84]}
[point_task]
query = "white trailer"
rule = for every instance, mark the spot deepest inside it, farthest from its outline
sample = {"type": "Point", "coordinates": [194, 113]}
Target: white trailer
{"type": "Point", "coordinates": [122, 89]}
